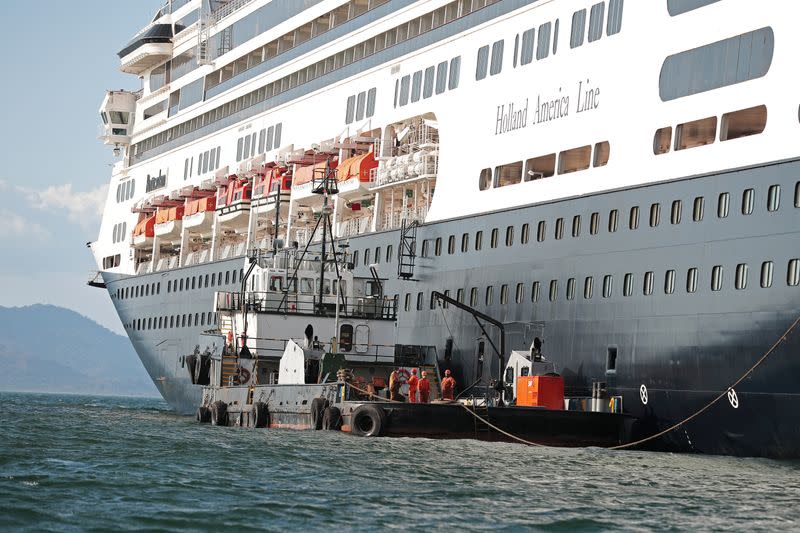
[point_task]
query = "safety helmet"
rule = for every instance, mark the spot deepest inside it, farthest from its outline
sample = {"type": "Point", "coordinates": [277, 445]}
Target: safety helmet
{"type": "Point", "coordinates": [413, 370]}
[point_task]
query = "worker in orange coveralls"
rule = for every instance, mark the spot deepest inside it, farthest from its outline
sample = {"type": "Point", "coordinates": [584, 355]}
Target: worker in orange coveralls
{"type": "Point", "coordinates": [424, 388]}
{"type": "Point", "coordinates": [413, 381]}
{"type": "Point", "coordinates": [448, 386]}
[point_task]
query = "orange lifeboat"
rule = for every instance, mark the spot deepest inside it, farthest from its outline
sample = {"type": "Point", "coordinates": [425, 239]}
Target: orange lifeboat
{"type": "Point", "coordinates": [359, 167]}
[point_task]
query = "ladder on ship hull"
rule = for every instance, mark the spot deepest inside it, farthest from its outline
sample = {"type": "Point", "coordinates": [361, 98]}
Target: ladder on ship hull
{"type": "Point", "coordinates": [407, 253]}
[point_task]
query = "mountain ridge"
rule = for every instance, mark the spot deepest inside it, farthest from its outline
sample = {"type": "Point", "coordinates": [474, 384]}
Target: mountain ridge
{"type": "Point", "coordinates": [46, 348]}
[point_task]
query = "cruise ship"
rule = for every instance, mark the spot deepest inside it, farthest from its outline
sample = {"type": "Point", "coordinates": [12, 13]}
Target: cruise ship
{"type": "Point", "coordinates": [620, 180]}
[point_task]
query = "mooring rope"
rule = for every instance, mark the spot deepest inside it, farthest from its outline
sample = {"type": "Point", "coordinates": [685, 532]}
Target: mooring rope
{"type": "Point", "coordinates": [673, 427]}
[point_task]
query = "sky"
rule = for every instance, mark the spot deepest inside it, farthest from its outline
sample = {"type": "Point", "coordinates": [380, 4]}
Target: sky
{"type": "Point", "coordinates": [58, 60]}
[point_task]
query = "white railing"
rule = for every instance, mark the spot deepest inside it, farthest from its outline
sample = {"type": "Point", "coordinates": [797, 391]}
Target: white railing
{"type": "Point", "coordinates": [228, 9]}
{"type": "Point", "coordinates": [407, 167]}
{"type": "Point", "coordinates": [354, 226]}
{"type": "Point", "coordinates": [395, 220]}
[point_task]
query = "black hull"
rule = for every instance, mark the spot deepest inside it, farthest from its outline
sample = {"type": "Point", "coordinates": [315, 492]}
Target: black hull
{"type": "Point", "coordinates": [684, 346]}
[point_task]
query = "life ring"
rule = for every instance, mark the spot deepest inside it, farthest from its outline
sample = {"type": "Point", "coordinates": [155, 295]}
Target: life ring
{"type": "Point", "coordinates": [368, 421]}
{"type": "Point", "coordinates": [242, 377]}
{"type": "Point", "coordinates": [402, 375]}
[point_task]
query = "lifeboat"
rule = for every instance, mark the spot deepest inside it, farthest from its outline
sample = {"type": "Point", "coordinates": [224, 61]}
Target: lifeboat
{"type": "Point", "coordinates": [267, 186]}
{"type": "Point", "coordinates": [302, 182]}
{"type": "Point", "coordinates": [233, 201]}
{"type": "Point", "coordinates": [355, 174]}
{"type": "Point", "coordinates": [144, 232]}
{"type": "Point", "coordinates": [168, 222]}
{"type": "Point", "coordinates": [199, 213]}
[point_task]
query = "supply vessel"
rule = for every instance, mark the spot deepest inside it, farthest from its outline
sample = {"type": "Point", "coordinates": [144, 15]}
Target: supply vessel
{"type": "Point", "coordinates": [617, 179]}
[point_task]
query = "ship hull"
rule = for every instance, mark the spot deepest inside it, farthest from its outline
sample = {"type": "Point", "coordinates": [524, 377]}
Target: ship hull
{"type": "Point", "coordinates": [684, 342]}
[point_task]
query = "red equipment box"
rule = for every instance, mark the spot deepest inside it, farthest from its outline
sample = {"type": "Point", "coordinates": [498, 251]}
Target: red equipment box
{"type": "Point", "coordinates": [541, 391]}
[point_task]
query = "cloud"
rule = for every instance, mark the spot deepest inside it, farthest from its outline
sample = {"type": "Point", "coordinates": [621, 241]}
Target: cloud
{"type": "Point", "coordinates": [83, 207]}
{"type": "Point", "coordinates": [15, 225]}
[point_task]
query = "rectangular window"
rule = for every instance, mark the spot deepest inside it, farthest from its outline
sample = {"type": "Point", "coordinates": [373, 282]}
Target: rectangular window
{"type": "Point", "coordinates": [698, 209]}
{"type": "Point", "coordinates": [371, 102]}
{"type": "Point", "coordinates": [535, 292]}
{"type": "Point", "coordinates": [691, 280]}
{"type": "Point", "coordinates": [748, 197]}
{"type": "Point", "coordinates": [797, 194]}
{"type": "Point", "coordinates": [361, 103]}
{"type": "Point", "coordinates": [697, 133]}
{"type": "Point", "coordinates": [741, 276]}
{"type": "Point", "coordinates": [773, 198]}
{"type": "Point", "coordinates": [493, 242]}
{"type": "Point", "coordinates": [669, 282]}
{"type": "Point", "coordinates": [675, 212]}
{"type": "Point", "coordinates": [602, 151]}
{"type": "Point", "coordinates": [541, 231]}
{"type": "Point", "coordinates": [743, 123]}
{"type": "Point", "coordinates": [405, 86]}
{"type": "Point", "coordinates": [613, 220]}
{"type": "Point", "coordinates": [588, 287]}
{"type": "Point", "coordinates": [482, 63]}
{"type": "Point", "coordinates": [578, 28]}
{"type": "Point", "coordinates": [738, 59]}
{"type": "Point", "coordinates": [460, 295]}
{"type": "Point", "coordinates": [793, 273]}
{"type": "Point", "coordinates": [723, 205]}
{"type": "Point", "coordinates": [543, 46]}
{"type": "Point", "coordinates": [478, 240]}
{"type": "Point", "coordinates": [655, 215]}
{"type": "Point", "coordinates": [662, 140]}
{"type": "Point", "coordinates": [571, 289]}
{"type": "Point", "coordinates": [451, 245]}
{"type": "Point", "coordinates": [510, 236]}
{"type": "Point", "coordinates": [420, 300]}
{"type": "Point", "coordinates": [489, 295]}
{"type": "Point", "coordinates": [627, 284]}
{"type": "Point", "coordinates": [441, 77]}
{"type": "Point", "coordinates": [465, 243]}
{"type": "Point", "coordinates": [526, 230]}
{"type": "Point", "coordinates": [540, 167]}
{"type": "Point", "coordinates": [607, 286]}
{"type": "Point", "coordinates": [427, 88]}
{"type": "Point", "coordinates": [594, 223]}
{"type": "Point", "coordinates": [351, 110]}
{"type": "Point", "coordinates": [633, 219]}
{"type": "Point", "coordinates": [520, 294]}
{"type": "Point", "coordinates": [528, 45]}
{"type": "Point", "coordinates": [509, 174]}
{"type": "Point", "coordinates": [473, 297]}
{"type": "Point", "coordinates": [503, 294]}
{"type": "Point", "coordinates": [553, 290]}
{"type": "Point", "coordinates": [437, 249]}
{"type": "Point", "coordinates": [559, 231]}
{"type": "Point", "coordinates": [497, 58]}
{"type": "Point", "coordinates": [597, 18]}
{"type": "Point", "coordinates": [615, 8]}
{"type": "Point", "coordinates": [576, 226]}
{"type": "Point", "coordinates": [647, 285]}
{"type": "Point", "coordinates": [416, 86]}
{"type": "Point", "coordinates": [717, 275]}
{"type": "Point", "coordinates": [574, 160]}
{"type": "Point", "coordinates": [455, 72]}
{"type": "Point", "coordinates": [766, 274]}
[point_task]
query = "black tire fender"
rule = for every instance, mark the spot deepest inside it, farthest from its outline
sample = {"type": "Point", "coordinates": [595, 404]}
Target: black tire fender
{"type": "Point", "coordinates": [203, 414]}
{"type": "Point", "coordinates": [318, 406]}
{"type": "Point", "coordinates": [368, 421]}
{"type": "Point", "coordinates": [332, 419]}
{"type": "Point", "coordinates": [219, 413]}
{"type": "Point", "coordinates": [260, 415]}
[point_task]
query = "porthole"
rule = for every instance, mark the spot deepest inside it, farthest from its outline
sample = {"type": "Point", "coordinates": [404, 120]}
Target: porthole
{"type": "Point", "coordinates": [691, 280]}
{"type": "Point", "coordinates": [716, 278]}
{"type": "Point", "coordinates": [741, 276]}
{"type": "Point", "coordinates": [571, 289]}
{"type": "Point", "coordinates": [588, 287]}
{"type": "Point", "coordinates": [647, 285]}
{"type": "Point", "coordinates": [669, 282]}
{"type": "Point", "coordinates": [766, 274]}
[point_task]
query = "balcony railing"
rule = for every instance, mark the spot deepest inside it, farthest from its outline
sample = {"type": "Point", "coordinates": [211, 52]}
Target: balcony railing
{"type": "Point", "coordinates": [286, 303]}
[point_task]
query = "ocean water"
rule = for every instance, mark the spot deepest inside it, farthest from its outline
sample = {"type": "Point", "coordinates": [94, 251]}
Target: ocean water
{"type": "Point", "coordinates": [76, 463]}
